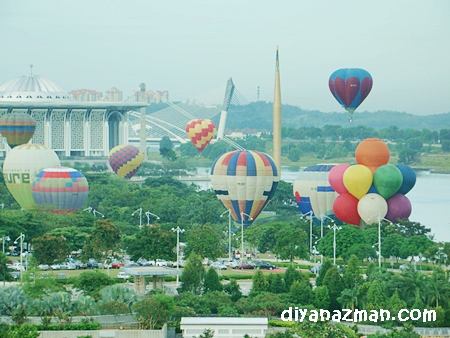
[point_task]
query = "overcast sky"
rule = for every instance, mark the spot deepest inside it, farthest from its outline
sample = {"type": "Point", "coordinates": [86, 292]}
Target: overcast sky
{"type": "Point", "coordinates": [193, 47]}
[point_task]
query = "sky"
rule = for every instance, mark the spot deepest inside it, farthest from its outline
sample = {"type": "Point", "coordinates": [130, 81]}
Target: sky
{"type": "Point", "coordinates": [192, 47]}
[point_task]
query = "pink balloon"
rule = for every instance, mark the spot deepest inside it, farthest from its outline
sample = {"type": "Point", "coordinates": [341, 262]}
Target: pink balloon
{"type": "Point", "coordinates": [399, 206]}
{"type": "Point", "coordinates": [345, 208]}
{"type": "Point", "coordinates": [335, 178]}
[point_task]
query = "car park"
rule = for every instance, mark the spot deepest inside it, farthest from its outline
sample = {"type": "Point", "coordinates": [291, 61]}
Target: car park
{"type": "Point", "coordinates": [263, 265]}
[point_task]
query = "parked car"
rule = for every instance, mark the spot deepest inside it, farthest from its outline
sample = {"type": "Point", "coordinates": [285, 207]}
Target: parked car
{"type": "Point", "coordinates": [263, 265]}
{"type": "Point", "coordinates": [62, 275]}
{"type": "Point", "coordinates": [117, 265]}
{"type": "Point", "coordinates": [160, 262]}
{"type": "Point", "coordinates": [64, 266]}
{"type": "Point", "coordinates": [18, 267]}
{"type": "Point", "coordinates": [55, 267]}
{"type": "Point", "coordinates": [15, 275]}
{"type": "Point", "coordinates": [218, 266]}
{"type": "Point", "coordinates": [123, 275]}
{"type": "Point", "coordinates": [244, 265]}
{"type": "Point", "coordinates": [71, 266]}
{"type": "Point", "coordinates": [132, 265]}
{"type": "Point", "coordinates": [92, 264]}
{"type": "Point", "coordinates": [44, 267]}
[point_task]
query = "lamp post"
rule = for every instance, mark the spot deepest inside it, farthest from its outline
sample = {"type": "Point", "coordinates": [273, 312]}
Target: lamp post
{"type": "Point", "coordinates": [334, 227]}
{"type": "Point", "coordinates": [322, 217]}
{"type": "Point", "coordinates": [148, 213]}
{"type": "Point", "coordinates": [21, 237]}
{"type": "Point", "coordinates": [6, 238]}
{"type": "Point", "coordinates": [140, 216]}
{"type": "Point", "coordinates": [94, 212]}
{"type": "Point", "coordinates": [178, 230]}
{"type": "Point", "coordinates": [3, 206]}
{"type": "Point", "coordinates": [310, 213]}
{"type": "Point", "coordinates": [229, 231]}
{"type": "Point", "coordinates": [379, 218]}
{"type": "Point", "coordinates": [242, 229]}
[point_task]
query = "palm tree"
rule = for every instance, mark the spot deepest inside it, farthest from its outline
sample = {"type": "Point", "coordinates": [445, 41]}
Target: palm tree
{"type": "Point", "coordinates": [413, 283]}
{"type": "Point", "coordinates": [15, 304]}
{"type": "Point", "coordinates": [349, 298]}
{"type": "Point", "coordinates": [61, 306]}
{"type": "Point", "coordinates": [116, 300]}
{"type": "Point", "coordinates": [86, 306]}
{"type": "Point", "coordinates": [438, 288]}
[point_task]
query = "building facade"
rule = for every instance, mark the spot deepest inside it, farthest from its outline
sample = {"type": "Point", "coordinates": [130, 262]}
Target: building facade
{"type": "Point", "coordinates": [69, 127]}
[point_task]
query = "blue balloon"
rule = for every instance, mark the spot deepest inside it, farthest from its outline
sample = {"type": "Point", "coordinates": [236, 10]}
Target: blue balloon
{"type": "Point", "coordinates": [409, 178]}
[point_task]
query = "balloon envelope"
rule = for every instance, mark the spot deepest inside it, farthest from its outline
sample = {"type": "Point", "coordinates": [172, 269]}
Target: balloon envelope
{"type": "Point", "coordinates": [357, 179]}
{"type": "Point", "coordinates": [387, 180]}
{"type": "Point", "coordinates": [200, 132]}
{"type": "Point", "coordinates": [313, 192]}
{"type": "Point", "coordinates": [60, 189]}
{"type": "Point", "coordinates": [244, 181]}
{"type": "Point", "coordinates": [17, 128]}
{"type": "Point", "coordinates": [399, 206]}
{"type": "Point", "coordinates": [350, 86]}
{"type": "Point", "coordinates": [409, 178]}
{"type": "Point", "coordinates": [345, 207]}
{"type": "Point", "coordinates": [21, 166]}
{"type": "Point", "coordinates": [336, 178]}
{"type": "Point", "coordinates": [125, 160]}
{"type": "Point", "coordinates": [373, 153]}
{"type": "Point", "coordinates": [372, 206]}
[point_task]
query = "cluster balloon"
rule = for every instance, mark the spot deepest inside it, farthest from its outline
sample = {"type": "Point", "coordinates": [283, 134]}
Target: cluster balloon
{"type": "Point", "coordinates": [62, 190]}
{"type": "Point", "coordinates": [125, 160]}
{"type": "Point", "coordinates": [21, 166]}
{"type": "Point", "coordinates": [244, 181]}
{"type": "Point", "coordinates": [200, 132]}
{"type": "Point", "coordinates": [17, 128]}
{"type": "Point", "coordinates": [313, 193]}
{"type": "Point", "coordinates": [372, 189]}
{"type": "Point", "coordinates": [350, 86]}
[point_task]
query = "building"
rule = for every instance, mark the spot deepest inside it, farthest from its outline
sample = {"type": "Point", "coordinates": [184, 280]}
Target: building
{"type": "Point", "coordinates": [71, 128]}
{"type": "Point", "coordinates": [226, 327]}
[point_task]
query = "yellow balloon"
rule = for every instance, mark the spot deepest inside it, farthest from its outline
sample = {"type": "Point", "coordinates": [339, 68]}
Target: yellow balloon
{"type": "Point", "coordinates": [357, 179]}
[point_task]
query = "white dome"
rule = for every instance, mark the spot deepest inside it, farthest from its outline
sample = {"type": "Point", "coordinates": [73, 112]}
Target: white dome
{"type": "Point", "coordinates": [32, 87]}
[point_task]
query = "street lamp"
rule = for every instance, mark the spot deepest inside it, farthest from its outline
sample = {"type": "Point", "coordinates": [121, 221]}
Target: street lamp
{"type": "Point", "coordinates": [322, 217]}
{"type": "Point", "coordinates": [148, 213]}
{"type": "Point", "coordinates": [178, 230]}
{"type": "Point", "coordinates": [22, 238]}
{"type": "Point", "coordinates": [3, 206]}
{"type": "Point", "coordinates": [229, 231]}
{"type": "Point", "coordinates": [140, 216]}
{"type": "Point", "coordinates": [6, 238]}
{"type": "Point", "coordinates": [250, 218]}
{"type": "Point", "coordinates": [379, 218]}
{"type": "Point", "coordinates": [334, 227]}
{"type": "Point", "coordinates": [310, 213]}
{"type": "Point", "coordinates": [94, 212]}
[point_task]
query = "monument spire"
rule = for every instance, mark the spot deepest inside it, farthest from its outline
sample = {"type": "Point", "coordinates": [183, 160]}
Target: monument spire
{"type": "Point", "coordinates": [277, 117]}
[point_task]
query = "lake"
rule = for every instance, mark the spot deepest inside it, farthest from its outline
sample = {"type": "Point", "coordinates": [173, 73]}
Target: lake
{"type": "Point", "coordinates": [430, 199]}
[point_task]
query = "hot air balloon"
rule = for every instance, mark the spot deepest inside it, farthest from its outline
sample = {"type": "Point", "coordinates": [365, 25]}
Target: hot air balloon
{"type": "Point", "coordinates": [313, 192]}
{"type": "Point", "coordinates": [17, 128]}
{"type": "Point", "coordinates": [125, 160]}
{"type": "Point", "coordinates": [61, 190]}
{"type": "Point", "coordinates": [200, 132]}
{"type": "Point", "coordinates": [244, 181]}
{"type": "Point", "coordinates": [21, 166]}
{"type": "Point", "coordinates": [350, 86]}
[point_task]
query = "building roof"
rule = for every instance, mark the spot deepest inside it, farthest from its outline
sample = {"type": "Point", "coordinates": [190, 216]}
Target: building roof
{"type": "Point", "coordinates": [32, 88]}
{"type": "Point", "coordinates": [223, 321]}
{"type": "Point", "coordinates": [151, 271]}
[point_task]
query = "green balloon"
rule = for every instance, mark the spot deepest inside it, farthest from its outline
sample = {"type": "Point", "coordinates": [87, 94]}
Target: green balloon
{"type": "Point", "coordinates": [387, 180]}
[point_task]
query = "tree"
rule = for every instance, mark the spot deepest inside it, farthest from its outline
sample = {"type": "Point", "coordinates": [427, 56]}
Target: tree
{"type": "Point", "coordinates": [375, 297]}
{"type": "Point", "coordinates": [326, 265]}
{"type": "Point", "coordinates": [414, 246]}
{"type": "Point", "coordinates": [301, 293]}
{"type": "Point", "coordinates": [152, 243]}
{"type": "Point", "coordinates": [15, 304]}
{"type": "Point", "coordinates": [392, 244]}
{"type": "Point", "coordinates": [277, 285]}
{"type": "Point", "coordinates": [291, 275]}
{"type": "Point", "coordinates": [349, 298]}
{"type": "Point", "coordinates": [212, 282]}
{"type": "Point", "coordinates": [233, 289]}
{"type": "Point", "coordinates": [116, 299]}
{"type": "Point", "coordinates": [152, 312]}
{"type": "Point", "coordinates": [192, 275]}
{"type": "Point", "coordinates": [352, 275]}
{"type": "Point", "coordinates": [103, 241]}
{"type": "Point", "coordinates": [345, 238]}
{"type": "Point", "coordinates": [335, 284]}
{"type": "Point", "coordinates": [91, 282]}
{"type": "Point", "coordinates": [321, 297]}
{"type": "Point", "coordinates": [50, 249]}
{"type": "Point", "coordinates": [291, 243]}
{"type": "Point", "coordinates": [203, 240]}
{"type": "Point", "coordinates": [259, 283]}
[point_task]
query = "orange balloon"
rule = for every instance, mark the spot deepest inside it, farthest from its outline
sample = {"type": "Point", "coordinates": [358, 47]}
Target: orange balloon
{"type": "Point", "coordinates": [373, 153]}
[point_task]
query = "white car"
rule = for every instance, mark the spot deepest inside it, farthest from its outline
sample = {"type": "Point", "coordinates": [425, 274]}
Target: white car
{"type": "Point", "coordinates": [160, 262]}
{"type": "Point", "coordinates": [218, 266]}
{"type": "Point", "coordinates": [55, 267]}
{"type": "Point", "coordinates": [44, 267]}
{"type": "Point", "coordinates": [123, 275]}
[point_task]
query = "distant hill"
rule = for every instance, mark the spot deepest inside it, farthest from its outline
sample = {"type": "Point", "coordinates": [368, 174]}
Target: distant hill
{"type": "Point", "coordinates": [296, 117]}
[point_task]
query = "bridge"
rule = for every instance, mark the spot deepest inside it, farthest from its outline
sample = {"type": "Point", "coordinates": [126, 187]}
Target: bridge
{"type": "Point", "coordinates": [235, 113]}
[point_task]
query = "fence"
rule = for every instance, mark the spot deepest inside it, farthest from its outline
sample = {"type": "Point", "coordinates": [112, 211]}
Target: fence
{"type": "Point", "coordinates": [107, 334]}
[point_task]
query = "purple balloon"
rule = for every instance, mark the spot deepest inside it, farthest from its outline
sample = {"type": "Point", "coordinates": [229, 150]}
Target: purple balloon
{"type": "Point", "coordinates": [399, 206]}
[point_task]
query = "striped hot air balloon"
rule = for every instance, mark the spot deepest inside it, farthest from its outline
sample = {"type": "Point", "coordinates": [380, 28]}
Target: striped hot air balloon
{"type": "Point", "coordinates": [244, 181]}
{"type": "Point", "coordinates": [17, 128]}
{"type": "Point", "coordinates": [60, 190]}
{"type": "Point", "coordinates": [125, 160]}
{"type": "Point", "coordinates": [200, 132]}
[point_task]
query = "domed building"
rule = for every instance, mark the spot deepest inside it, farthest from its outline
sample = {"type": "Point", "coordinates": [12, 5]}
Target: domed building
{"type": "Point", "coordinates": [72, 129]}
